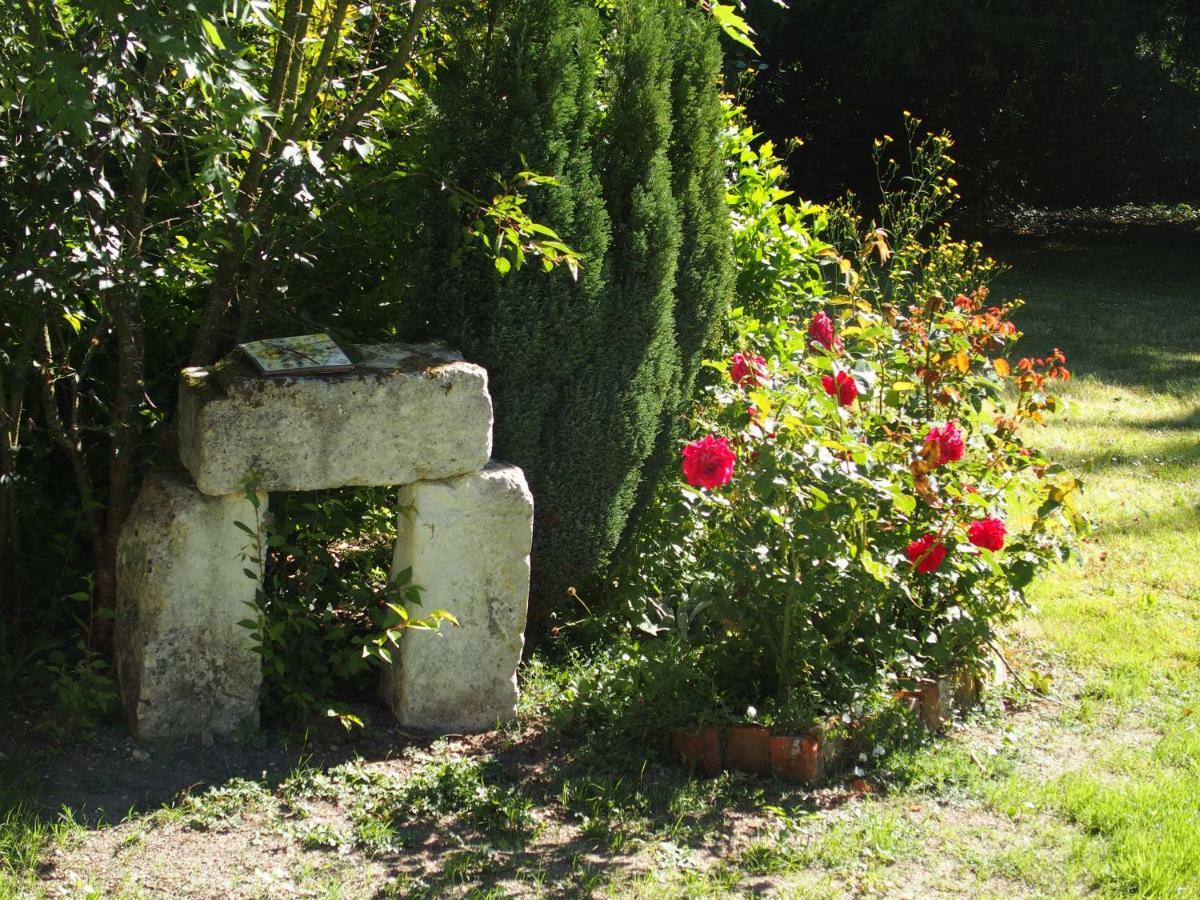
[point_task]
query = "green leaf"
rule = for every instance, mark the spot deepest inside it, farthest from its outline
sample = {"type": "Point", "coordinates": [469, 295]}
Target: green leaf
{"type": "Point", "coordinates": [874, 568]}
{"type": "Point", "coordinates": [735, 27]}
{"type": "Point", "coordinates": [214, 36]}
{"type": "Point", "coordinates": [74, 319]}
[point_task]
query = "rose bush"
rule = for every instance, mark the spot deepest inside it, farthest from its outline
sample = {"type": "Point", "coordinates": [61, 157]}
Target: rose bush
{"type": "Point", "coordinates": [886, 512]}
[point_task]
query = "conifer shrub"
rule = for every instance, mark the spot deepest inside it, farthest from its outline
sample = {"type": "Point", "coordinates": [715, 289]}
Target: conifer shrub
{"type": "Point", "coordinates": [590, 371]}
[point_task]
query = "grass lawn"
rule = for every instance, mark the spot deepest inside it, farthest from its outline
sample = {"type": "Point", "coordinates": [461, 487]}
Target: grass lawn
{"type": "Point", "coordinates": [1091, 790]}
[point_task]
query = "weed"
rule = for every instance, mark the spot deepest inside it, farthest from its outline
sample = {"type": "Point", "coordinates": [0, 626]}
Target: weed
{"type": "Point", "coordinates": [219, 805]}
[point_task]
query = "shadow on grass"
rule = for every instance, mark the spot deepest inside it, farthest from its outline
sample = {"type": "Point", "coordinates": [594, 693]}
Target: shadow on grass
{"type": "Point", "coordinates": [1125, 312]}
{"type": "Point", "coordinates": [1189, 421]}
{"type": "Point", "coordinates": [1171, 460]}
{"type": "Point", "coordinates": [587, 809]}
{"type": "Point", "coordinates": [104, 777]}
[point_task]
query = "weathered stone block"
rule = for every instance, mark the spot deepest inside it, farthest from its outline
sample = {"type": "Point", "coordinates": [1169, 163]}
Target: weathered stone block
{"type": "Point", "coordinates": [404, 413]}
{"type": "Point", "coordinates": [467, 541]}
{"type": "Point", "coordinates": [184, 664]}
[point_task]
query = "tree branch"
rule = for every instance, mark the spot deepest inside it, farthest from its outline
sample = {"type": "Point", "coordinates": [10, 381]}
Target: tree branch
{"type": "Point", "coordinates": [72, 448]}
{"type": "Point", "coordinates": [317, 76]}
{"type": "Point", "coordinates": [375, 93]}
{"type": "Point", "coordinates": [295, 65]}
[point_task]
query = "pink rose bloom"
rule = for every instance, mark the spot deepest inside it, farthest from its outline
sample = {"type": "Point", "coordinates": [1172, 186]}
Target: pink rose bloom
{"type": "Point", "coordinates": [748, 370]}
{"type": "Point", "coordinates": [987, 533]}
{"type": "Point", "coordinates": [948, 440]}
{"type": "Point", "coordinates": [708, 462]}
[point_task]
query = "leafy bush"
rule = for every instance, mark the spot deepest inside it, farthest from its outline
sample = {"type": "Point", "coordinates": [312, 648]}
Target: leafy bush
{"type": "Point", "coordinates": [328, 612]}
{"type": "Point", "coordinates": [169, 175]}
{"type": "Point", "coordinates": [859, 503]}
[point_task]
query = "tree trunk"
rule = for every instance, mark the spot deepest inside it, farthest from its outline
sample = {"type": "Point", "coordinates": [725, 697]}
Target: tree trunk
{"type": "Point", "coordinates": [125, 308]}
{"type": "Point", "coordinates": [123, 460]}
{"type": "Point", "coordinates": [254, 200]}
{"type": "Point", "coordinates": [12, 406]}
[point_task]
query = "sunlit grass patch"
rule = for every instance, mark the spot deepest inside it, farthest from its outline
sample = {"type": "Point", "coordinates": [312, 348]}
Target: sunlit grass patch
{"type": "Point", "coordinates": [1128, 616]}
{"type": "Point", "coordinates": [26, 837]}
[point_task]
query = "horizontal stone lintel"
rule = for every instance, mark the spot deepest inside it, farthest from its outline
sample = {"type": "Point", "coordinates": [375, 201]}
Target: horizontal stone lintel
{"type": "Point", "coordinates": [404, 413]}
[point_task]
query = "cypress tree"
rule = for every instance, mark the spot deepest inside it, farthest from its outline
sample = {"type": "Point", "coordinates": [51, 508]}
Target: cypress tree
{"type": "Point", "coordinates": [588, 377]}
{"type": "Point", "coordinates": [622, 389]}
{"type": "Point", "coordinates": [705, 274]}
{"type": "Point", "coordinates": [704, 281]}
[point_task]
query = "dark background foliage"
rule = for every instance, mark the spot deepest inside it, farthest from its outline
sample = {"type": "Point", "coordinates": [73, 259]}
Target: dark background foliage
{"type": "Point", "coordinates": [1054, 102]}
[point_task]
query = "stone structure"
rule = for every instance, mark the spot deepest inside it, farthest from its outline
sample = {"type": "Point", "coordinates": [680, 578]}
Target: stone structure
{"type": "Point", "coordinates": [441, 534]}
{"type": "Point", "coordinates": [185, 665]}
{"type": "Point", "coordinates": [415, 416]}
{"type": "Point", "coordinates": [403, 414]}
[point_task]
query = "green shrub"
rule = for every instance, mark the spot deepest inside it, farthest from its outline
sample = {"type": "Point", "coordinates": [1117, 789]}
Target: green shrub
{"type": "Point", "coordinates": [329, 610]}
{"type": "Point", "coordinates": [588, 373]}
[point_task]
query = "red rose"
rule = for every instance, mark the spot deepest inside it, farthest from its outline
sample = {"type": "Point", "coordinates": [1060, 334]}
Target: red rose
{"type": "Point", "coordinates": [841, 386]}
{"type": "Point", "coordinates": [948, 441]}
{"type": "Point", "coordinates": [926, 553]}
{"type": "Point", "coordinates": [751, 370]}
{"type": "Point", "coordinates": [820, 329]}
{"type": "Point", "coordinates": [987, 533]}
{"type": "Point", "coordinates": [708, 462]}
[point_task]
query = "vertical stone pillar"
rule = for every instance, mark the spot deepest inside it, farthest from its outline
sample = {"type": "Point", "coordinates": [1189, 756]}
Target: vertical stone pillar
{"type": "Point", "coordinates": [184, 663]}
{"type": "Point", "coordinates": [467, 541]}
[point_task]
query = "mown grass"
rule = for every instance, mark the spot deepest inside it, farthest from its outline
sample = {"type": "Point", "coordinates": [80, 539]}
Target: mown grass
{"type": "Point", "coordinates": [1128, 617]}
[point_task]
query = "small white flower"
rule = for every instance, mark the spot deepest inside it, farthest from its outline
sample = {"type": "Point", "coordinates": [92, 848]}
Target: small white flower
{"type": "Point", "coordinates": [751, 712]}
